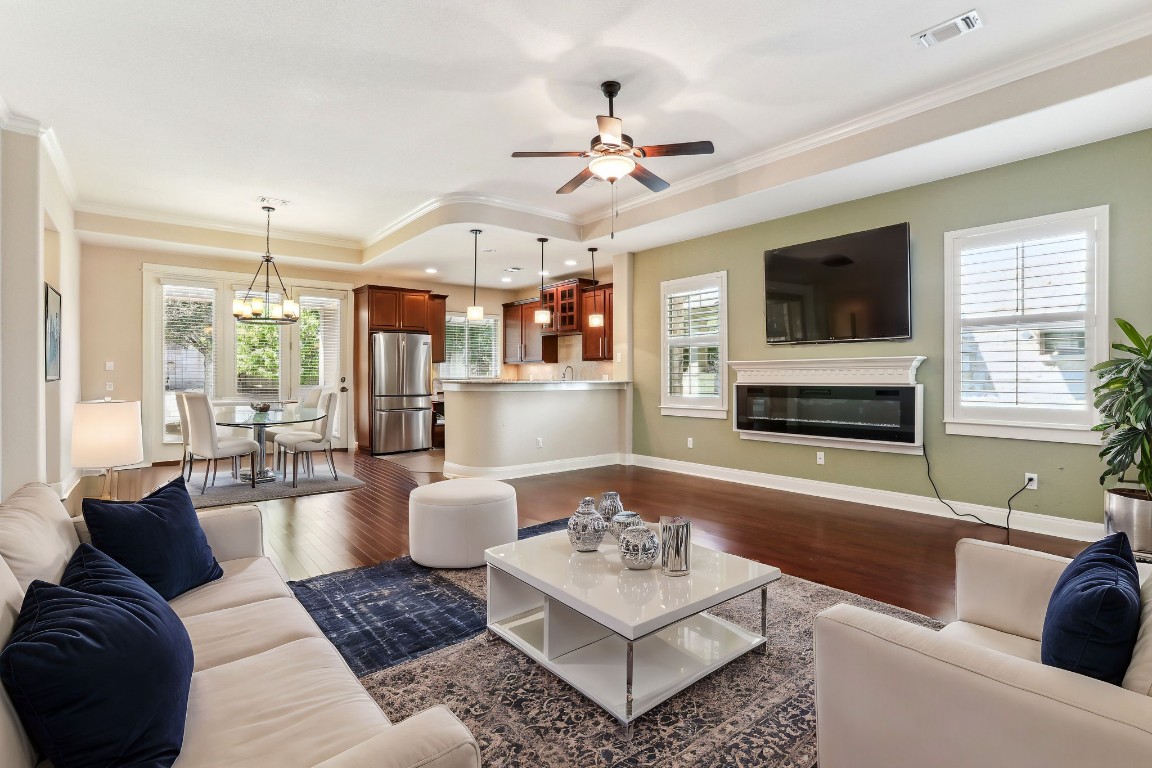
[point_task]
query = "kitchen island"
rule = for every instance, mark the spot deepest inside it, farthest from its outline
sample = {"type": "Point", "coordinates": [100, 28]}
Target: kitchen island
{"type": "Point", "coordinates": [498, 428]}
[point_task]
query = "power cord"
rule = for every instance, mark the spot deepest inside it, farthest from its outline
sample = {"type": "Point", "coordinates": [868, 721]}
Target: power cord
{"type": "Point", "coordinates": [935, 490]}
{"type": "Point", "coordinates": [1008, 520]}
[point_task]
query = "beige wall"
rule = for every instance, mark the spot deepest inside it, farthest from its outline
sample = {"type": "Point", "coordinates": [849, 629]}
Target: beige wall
{"type": "Point", "coordinates": [970, 469]}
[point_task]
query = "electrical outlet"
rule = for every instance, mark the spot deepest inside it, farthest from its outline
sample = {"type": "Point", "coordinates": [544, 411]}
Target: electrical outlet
{"type": "Point", "coordinates": [539, 442]}
{"type": "Point", "coordinates": [1031, 481]}
{"type": "Point", "coordinates": [819, 457]}
{"type": "Point", "coordinates": [108, 386]}
{"type": "Point", "coordinates": [109, 366]}
{"type": "Point", "coordinates": [689, 442]}
{"type": "Point", "coordinates": [619, 357]}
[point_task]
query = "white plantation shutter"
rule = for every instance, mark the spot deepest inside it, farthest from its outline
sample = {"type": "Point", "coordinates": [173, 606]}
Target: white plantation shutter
{"type": "Point", "coordinates": [694, 363]}
{"type": "Point", "coordinates": [1025, 302]}
{"type": "Point", "coordinates": [472, 349]}
{"type": "Point", "coordinates": [320, 320]}
{"type": "Point", "coordinates": [189, 360]}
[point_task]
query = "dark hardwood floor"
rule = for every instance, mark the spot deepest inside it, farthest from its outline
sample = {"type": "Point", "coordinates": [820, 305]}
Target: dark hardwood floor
{"type": "Point", "coordinates": [902, 558]}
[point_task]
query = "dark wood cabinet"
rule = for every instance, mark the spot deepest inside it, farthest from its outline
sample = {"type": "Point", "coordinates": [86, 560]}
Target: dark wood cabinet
{"type": "Point", "coordinates": [384, 308]}
{"type": "Point", "coordinates": [524, 339]}
{"type": "Point", "coordinates": [563, 301]}
{"type": "Point", "coordinates": [413, 311]}
{"type": "Point", "coordinates": [437, 320]}
{"type": "Point", "coordinates": [596, 343]}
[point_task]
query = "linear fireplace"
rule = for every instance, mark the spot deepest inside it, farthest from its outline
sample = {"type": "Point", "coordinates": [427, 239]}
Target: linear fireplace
{"type": "Point", "coordinates": [864, 403]}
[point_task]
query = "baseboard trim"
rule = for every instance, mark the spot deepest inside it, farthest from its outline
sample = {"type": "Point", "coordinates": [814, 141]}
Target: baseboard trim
{"type": "Point", "coordinates": [537, 468]}
{"type": "Point", "coordinates": [1033, 522]}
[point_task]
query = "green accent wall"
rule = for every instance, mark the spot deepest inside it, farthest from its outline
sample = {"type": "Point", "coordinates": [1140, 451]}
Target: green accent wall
{"type": "Point", "coordinates": [979, 470]}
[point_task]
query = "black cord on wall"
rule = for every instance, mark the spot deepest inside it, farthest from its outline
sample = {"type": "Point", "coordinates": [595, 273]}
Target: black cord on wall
{"type": "Point", "coordinates": [935, 490]}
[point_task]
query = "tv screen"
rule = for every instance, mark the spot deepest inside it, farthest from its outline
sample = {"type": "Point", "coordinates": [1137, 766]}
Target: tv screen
{"type": "Point", "coordinates": [847, 288]}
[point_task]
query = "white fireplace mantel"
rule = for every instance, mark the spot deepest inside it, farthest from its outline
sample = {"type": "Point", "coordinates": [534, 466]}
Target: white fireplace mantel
{"type": "Point", "coordinates": [833, 370]}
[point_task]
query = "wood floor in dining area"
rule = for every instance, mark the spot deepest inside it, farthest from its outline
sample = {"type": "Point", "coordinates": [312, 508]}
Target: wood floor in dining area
{"type": "Point", "coordinates": [902, 558]}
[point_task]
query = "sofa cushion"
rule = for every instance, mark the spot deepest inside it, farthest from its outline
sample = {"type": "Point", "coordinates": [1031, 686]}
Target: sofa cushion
{"type": "Point", "coordinates": [1138, 678]}
{"type": "Point", "coordinates": [36, 534]}
{"type": "Point", "coordinates": [99, 667]}
{"type": "Point", "coordinates": [158, 538]}
{"type": "Point", "coordinates": [1094, 613]}
{"type": "Point", "coordinates": [291, 707]}
{"type": "Point", "coordinates": [994, 639]}
{"type": "Point", "coordinates": [245, 581]}
{"type": "Point", "coordinates": [224, 636]}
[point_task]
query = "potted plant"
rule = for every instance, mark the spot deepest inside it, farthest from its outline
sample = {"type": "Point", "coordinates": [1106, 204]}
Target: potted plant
{"type": "Point", "coordinates": [1124, 400]}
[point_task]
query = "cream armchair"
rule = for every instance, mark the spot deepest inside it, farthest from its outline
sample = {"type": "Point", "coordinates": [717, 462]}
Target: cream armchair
{"type": "Point", "coordinates": [890, 694]}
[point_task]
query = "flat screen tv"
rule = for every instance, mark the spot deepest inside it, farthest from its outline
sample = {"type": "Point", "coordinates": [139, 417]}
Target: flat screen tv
{"type": "Point", "coordinates": [848, 288]}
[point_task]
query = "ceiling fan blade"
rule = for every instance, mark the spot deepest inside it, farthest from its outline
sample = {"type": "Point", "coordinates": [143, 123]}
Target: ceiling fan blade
{"type": "Point", "coordinates": [547, 154]}
{"type": "Point", "coordinates": [684, 148]}
{"type": "Point", "coordinates": [576, 182]}
{"type": "Point", "coordinates": [649, 179]}
{"type": "Point", "coordinates": [611, 130]}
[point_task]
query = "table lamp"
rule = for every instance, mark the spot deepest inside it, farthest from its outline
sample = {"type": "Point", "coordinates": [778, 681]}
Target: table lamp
{"type": "Point", "coordinates": [106, 435]}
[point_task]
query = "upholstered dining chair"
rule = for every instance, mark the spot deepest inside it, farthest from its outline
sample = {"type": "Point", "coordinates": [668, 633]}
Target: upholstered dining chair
{"type": "Point", "coordinates": [203, 439]}
{"type": "Point", "coordinates": [297, 443]}
{"type": "Point", "coordinates": [186, 457]}
{"type": "Point", "coordinates": [310, 399]}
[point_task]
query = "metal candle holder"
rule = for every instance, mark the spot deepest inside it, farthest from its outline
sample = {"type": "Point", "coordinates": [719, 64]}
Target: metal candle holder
{"type": "Point", "coordinates": [675, 546]}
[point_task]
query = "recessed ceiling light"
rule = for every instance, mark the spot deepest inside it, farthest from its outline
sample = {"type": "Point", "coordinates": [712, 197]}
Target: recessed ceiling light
{"type": "Point", "coordinates": [505, 279]}
{"type": "Point", "coordinates": [570, 263]}
{"type": "Point", "coordinates": [431, 270]}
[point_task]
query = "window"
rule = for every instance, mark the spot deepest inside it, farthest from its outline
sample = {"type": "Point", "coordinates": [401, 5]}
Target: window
{"type": "Point", "coordinates": [257, 358]}
{"type": "Point", "coordinates": [472, 349]}
{"type": "Point", "coordinates": [187, 320]}
{"type": "Point", "coordinates": [1027, 319]}
{"type": "Point", "coordinates": [694, 353]}
{"type": "Point", "coordinates": [319, 324]}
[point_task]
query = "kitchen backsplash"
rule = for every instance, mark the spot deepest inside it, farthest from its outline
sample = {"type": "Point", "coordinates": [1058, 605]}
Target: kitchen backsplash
{"type": "Point", "coordinates": [569, 353]}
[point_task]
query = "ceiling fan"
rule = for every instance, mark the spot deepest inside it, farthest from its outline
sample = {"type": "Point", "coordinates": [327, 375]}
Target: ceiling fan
{"type": "Point", "coordinates": [613, 154]}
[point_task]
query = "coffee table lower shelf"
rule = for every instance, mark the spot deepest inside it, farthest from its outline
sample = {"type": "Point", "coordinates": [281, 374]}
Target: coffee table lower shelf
{"type": "Point", "coordinates": [665, 662]}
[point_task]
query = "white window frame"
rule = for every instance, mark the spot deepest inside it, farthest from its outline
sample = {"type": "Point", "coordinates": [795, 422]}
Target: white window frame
{"type": "Point", "coordinates": [695, 407]}
{"type": "Point", "coordinates": [1051, 425]}
{"type": "Point", "coordinates": [497, 347]}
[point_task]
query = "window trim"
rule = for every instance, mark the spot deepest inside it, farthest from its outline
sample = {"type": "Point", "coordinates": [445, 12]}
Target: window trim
{"type": "Point", "coordinates": [497, 348]}
{"type": "Point", "coordinates": [973, 420]}
{"type": "Point", "coordinates": [711, 408]}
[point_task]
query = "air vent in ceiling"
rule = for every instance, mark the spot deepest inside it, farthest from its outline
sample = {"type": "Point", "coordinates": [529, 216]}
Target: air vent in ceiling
{"type": "Point", "coordinates": [949, 29]}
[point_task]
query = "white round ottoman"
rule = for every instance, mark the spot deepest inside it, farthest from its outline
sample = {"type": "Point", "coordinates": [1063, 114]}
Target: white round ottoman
{"type": "Point", "coordinates": [452, 522]}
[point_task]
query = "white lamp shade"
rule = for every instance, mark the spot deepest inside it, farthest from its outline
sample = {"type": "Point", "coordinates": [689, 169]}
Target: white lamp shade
{"type": "Point", "coordinates": [257, 305]}
{"type": "Point", "coordinates": [475, 314]}
{"type": "Point", "coordinates": [595, 321]}
{"type": "Point", "coordinates": [543, 316]}
{"type": "Point", "coordinates": [612, 166]}
{"type": "Point", "coordinates": [106, 434]}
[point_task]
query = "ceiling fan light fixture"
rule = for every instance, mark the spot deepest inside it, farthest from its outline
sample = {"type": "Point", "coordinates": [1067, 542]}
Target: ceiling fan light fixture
{"type": "Point", "coordinates": [612, 167]}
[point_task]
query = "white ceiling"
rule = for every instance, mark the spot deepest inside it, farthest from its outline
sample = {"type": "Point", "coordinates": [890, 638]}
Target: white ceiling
{"type": "Point", "coordinates": [361, 112]}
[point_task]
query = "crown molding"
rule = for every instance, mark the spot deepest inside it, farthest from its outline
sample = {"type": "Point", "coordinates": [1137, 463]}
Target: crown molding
{"type": "Point", "coordinates": [464, 198]}
{"type": "Point", "coordinates": [187, 221]}
{"type": "Point", "coordinates": [63, 171]}
{"type": "Point", "coordinates": [1104, 40]}
{"type": "Point", "coordinates": [18, 123]}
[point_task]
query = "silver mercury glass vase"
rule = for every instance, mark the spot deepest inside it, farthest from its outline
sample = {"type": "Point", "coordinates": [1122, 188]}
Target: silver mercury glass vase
{"type": "Point", "coordinates": [620, 521]}
{"type": "Point", "coordinates": [610, 505]}
{"type": "Point", "coordinates": [586, 528]}
{"type": "Point", "coordinates": [675, 545]}
{"type": "Point", "coordinates": [639, 547]}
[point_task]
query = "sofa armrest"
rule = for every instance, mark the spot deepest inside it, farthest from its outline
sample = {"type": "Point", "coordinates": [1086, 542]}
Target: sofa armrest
{"type": "Point", "coordinates": [434, 737]}
{"type": "Point", "coordinates": [1005, 588]}
{"type": "Point", "coordinates": [233, 532]}
{"type": "Point", "coordinates": [895, 695]}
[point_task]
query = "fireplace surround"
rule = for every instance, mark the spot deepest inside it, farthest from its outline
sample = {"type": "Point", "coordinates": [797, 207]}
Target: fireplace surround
{"type": "Point", "coordinates": [871, 403]}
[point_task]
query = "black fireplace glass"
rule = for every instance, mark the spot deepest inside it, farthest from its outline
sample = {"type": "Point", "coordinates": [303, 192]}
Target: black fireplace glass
{"type": "Point", "coordinates": [854, 412]}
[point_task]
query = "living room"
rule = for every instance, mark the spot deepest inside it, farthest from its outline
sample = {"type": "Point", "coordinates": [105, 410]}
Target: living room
{"type": "Point", "coordinates": [1011, 122]}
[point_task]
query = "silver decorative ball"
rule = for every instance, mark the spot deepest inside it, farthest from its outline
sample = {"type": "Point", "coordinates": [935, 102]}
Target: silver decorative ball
{"type": "Point", "coordinates": [639, 547]}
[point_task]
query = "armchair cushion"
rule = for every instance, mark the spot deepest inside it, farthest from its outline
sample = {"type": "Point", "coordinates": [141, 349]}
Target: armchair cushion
{"type": "Point", "coordinates": [158, 538]}
{"type": "Point", "coordinates": [1094, 613]}
{"type": "Point", "coordinates": [99, 667]}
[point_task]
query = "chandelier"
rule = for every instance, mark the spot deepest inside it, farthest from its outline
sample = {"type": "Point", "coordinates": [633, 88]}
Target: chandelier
{"type": "Point", "coordinates": [265, 307]}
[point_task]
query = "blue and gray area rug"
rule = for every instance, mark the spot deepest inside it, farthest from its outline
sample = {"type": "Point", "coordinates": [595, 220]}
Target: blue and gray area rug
{"type": "Point", "coordinates": [381, 615]}
{"type": "Point", "coordinates": [413, 635]}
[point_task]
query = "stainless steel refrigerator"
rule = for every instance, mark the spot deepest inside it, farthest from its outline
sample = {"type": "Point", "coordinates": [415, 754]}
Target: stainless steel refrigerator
{"type": "Point", "coordinates": [401, 392]}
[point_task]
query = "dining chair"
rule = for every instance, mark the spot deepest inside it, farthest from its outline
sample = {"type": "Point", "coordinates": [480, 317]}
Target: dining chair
{"type": "Point", "coordinates": [204, 440]}
{"type": "Point", "coordinates": [297, 443]}
{"type": "Point", "coordinates": [310, 399]}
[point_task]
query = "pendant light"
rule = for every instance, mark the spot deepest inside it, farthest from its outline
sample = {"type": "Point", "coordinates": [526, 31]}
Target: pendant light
{"type": "Point", "coordinates": [596, 319]}
{"type": "Point", "coordinates": [543, 316]}
{"type": "Point", "coordinates": [475, 312]}
{"type": "Point", "coordinates": [263, 307]}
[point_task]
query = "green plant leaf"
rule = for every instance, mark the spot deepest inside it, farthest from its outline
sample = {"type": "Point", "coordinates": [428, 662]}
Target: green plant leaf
{"type": "Point", "coordinates": [1128, 349]}
{"type": "Point", "coordinates": [1141, 345]}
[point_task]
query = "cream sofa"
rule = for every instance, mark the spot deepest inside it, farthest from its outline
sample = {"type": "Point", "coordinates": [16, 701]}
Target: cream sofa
{"type": "Point", "coordinates": [890, 694]}
{"type": "Point", "coordinates": [268, 689]}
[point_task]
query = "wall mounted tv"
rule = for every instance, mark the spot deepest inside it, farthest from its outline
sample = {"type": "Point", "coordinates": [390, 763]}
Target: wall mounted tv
{"type": "Point", "coordinates": [848, 288]}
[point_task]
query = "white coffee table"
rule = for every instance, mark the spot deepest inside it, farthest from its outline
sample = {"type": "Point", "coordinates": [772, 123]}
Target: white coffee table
{"type": "Point", "coordinates": [627, 640]}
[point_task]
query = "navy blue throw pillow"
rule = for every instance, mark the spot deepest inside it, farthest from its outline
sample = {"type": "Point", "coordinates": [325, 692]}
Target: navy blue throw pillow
{"type": "Point", "coordinates": [1094, 613]}
{"type": "Point", "coordinates": [158, 538]}
{"type": "Point", "coordinates": [99, 668]}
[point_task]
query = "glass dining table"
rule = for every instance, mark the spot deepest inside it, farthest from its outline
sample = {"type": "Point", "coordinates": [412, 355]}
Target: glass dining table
{"type": "Point", "coordinates": [258, 422]}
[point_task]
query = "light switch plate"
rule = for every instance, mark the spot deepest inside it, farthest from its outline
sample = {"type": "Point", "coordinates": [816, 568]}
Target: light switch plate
{"type": "Point", "coordinates": [109, 366]}
{"type": "Point", "coordinates": [108, 386]}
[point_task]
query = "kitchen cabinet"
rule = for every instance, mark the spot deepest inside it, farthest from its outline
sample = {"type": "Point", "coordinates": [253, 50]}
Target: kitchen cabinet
{"type": "Point", "coordinates": [596, 343]}
{"type": "Point", "coordinates": [524, 341]}
{"type": "Point", "coordinates": [563, 300]}
{"type": "Point", "coordinates": [437, 320]}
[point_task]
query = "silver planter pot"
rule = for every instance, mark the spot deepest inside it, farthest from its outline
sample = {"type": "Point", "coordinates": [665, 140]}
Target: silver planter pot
{"type": "Point", "coordinates": [1130, 510]}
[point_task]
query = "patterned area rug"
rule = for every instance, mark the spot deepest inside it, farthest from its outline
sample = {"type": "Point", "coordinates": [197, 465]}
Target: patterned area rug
{"type": "Point", "coordinates": [229, 491]}
{"type": "Point", "coordinates": [757, 711]}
